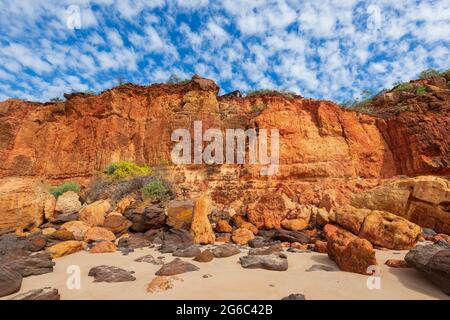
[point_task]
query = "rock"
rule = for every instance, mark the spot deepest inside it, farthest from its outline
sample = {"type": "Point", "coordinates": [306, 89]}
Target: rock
{"type": "Point", "coordinates": [49, 207]}
{"type": "Point", "coordinates": [22, 202]}
{"type": "Point", "coordinates": [328, 200]}
{"type": "Point", "coordinates": [176, 266]}
{"type": "Point", "coordinates": [161, 283]}
{"type": "Point", "coordinates": [133, 242]}
{"type": "Point", "coordinates": [225, 250]}
{"type": "Point", "coordinates": [103, 247]}
{"type": "Point", "coordinates": [65, 248]}
{"type": "Point", "coordinates": [110, 274]}
{"type": "Point", "coordinates": [268, 211]}
{"type": "Point", "coordinates": [36, 242]}
{"type": "Point", "coordinates": [320, 267]}
{"type": "Point", "coordinates": [294, 296]}
{"type": "Point", "coordinates": [275, 248]}
{"type": "Point", "coordinates": [94, 214]}
{"type": "Point", "coordinates": [322, 217]}
{"type": "Point", "coordinates": [150, 259]}
{"type": "Point", "coordinates": [12, 243]}
{"type": "Point", "coordinates": [350, 253]}
{"type": "Point", "coordinates": [381, 228]}
{"type": "Point", "coordinates": [99, 234]}
{"type": "Point", "coordinates": [145, 216]}
{"type": "Point", "coordinates": [201, 227]}
{"type": "Point", "coordinates": [46, 293]}
{"type": "Point", "coordinates": [62, 218]}
{"type": "Point", "coordinates": [269, 262]}
{"type": "Point", "coordinates": [223, 226]}
{"type": "Point", "coordinates": [396, 263]}
{"type": "Point", "coordinates": [427, 232]}
{"type": "Point", "coordinates": [433, 261]}
{"type": "Point", "coordinates": [77, 228]}
{"type": "Point", "coordinates": [28, 265]}
{"type": "Point", "coordinates": [68, 203]}
{"type": "Point", "coordinates": [189, 252]}
{"type": "Point", "coordinates": [240, 222]}
{"type": "Point", "coordinates": [421, 200]}
{"type": "Point", "coordinates": [320, 246]}
{"type": "Point", "coordinates": [48, 231]}
{"type": "Point", "coordinates": [204, 256]}
{"type": "Point", "coordinates": [259, 241]}
{"type": "Point", "coordinates": [242, 236]}
{"type": "Point", "coordinates": [174, 239]}
{"type": "Point", "coordinates": [10, 281]}
{"type": "Point", "coordinates": [116, 223]}
{"type": "Point", "coordinates": [179, 214]}
{"type": "Point", "coordinates": [294, 224]}
{"type": "Point", "coordinates": [299, 246]}
{"type": "Point", "coordinates": [124, 203]}
{"type": "Point", "coordinates": [291, 236]}
{"type": "Point", "coordinates": [62, 235]}
{"type": "Point", "coordinates": [223, 237]}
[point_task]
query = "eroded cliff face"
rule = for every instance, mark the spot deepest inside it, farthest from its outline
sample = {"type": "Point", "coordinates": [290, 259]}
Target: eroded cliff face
{"type": "Point", "coordinates": [323, 148]}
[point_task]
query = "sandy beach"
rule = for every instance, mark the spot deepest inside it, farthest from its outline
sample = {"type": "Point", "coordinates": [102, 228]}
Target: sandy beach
{"type": "Point", "coordinates": [228, 280]}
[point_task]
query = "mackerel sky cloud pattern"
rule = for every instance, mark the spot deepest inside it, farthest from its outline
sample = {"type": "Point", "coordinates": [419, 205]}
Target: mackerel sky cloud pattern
{"type": "Point", "coordinates": [322, 49]}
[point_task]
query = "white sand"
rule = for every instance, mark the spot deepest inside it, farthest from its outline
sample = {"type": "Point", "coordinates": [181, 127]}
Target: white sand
{"type": "Point", "coordinates": [230, 281]}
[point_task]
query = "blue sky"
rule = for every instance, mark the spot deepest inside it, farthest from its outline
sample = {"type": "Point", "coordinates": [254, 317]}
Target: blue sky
{"type": "Point", "coordinates": [329, 49]}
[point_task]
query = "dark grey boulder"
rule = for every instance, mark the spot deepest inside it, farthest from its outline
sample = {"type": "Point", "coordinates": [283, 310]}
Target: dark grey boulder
{"type": "Point", "coordinates": [10, 281]}
{"type": "Point", "coordinates": [110, 274]}
{"type": "Point", "coordinates": [269, 262]}
{"type": "Point", "coordinates": [46, 293]}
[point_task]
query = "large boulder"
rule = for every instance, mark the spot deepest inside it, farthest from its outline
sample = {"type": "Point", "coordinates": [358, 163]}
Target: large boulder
{"type": "Point", "coordinates": [28, 265]}
{"type": "Point", "coordinates": [145, 216]}
{"type": "Point", "coordinates": [46, 293]}
{"type": "Point", "coordinates": [116, 223]}
{"type": "Point", "coordinates": [422, 200]}
{"type": "Point", "coordinates": [65, 248]}
{"type": "Point", "coordinates": [94, 214]}
{"type": "Point", "coordinates": [68, 203]}
{"type": "Point", "coordinates": [77, 228]}
{"type": "Point", "coordinates": [99, 234]}
{"type": "Point", "coordinates": [22, 202]}
{"type": "Point", "coordinates": [381, 228]}
{"type": "Point", "coordinates": [201, 227]}
{"type": "Point", "coordinates": [10, 281]}
{"type": "Point", "coordinates": [433, 261]}
{"type": "Point", "coordinates": [350, 253]}
{"type": "Point", "coordinates": [179, 213]}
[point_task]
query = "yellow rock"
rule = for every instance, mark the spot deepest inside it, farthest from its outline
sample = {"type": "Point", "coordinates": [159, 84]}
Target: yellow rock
{"type": "Point", "coordinates": [201, 227]}
{"type": "Point", "coordinates": [294, 224]}
{"type": "Point", "coordinates": [94, 214]}
{"type": "Point", "coordinates": [65, 248]}
{"type": "Point", "coordinates": [242, 236]}
{"type": "Point", "coordinates": [77, 228]}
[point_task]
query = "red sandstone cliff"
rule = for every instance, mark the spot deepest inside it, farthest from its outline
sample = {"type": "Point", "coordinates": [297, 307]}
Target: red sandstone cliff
{"type": "Point", "coordinates": [322, 146]}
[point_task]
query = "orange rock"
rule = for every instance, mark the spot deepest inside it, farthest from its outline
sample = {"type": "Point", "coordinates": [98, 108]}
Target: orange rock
{"type": "Point", "coordinates": [381, 228]}
{"type": "Point", "coordinates": [320, 246]}
{"type": "Point", "coordinates": [162, 283]}
{"type": "Point", "coordinates": [22, 202]}
{"type": "Point", "coordinates": [116, 223]}
{"type": "Point", "coordinates": [77, 228]}
{"type": "Point", "coordinates": [99, 234]}
{"type": "Point", "coordinates": [350, 253]}
{"type": "Point", "coordinates": [298, 245]}
{"type": "Point", "coordinates": [223, 238]}
{"type": "Point", "coordinates": [201, 227]}
{"type": "Point", "coordinates": [242, 236]}
{"type": "Point", "coordinates": [396, 263]}
{"type": "Point", "coordinates": [94, 213]}
{"type": "Point", "coordinates": [65, 248]}
{"type": "Point", "coordinates": [124, 203]}
{"type": "Point", "coordinates": [49, 207]}
{"type": "Point", "coordinates": [179, 213]}
{"type": "Point", "coordinates": [223, 226]}
{"type": "Point", "coordinates": [103, 247]}
{"type": "Point", "coordinates": [294, 224]}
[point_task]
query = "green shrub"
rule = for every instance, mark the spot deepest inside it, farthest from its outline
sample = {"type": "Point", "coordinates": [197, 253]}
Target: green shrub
{"type": "Point", "coordinates": [67, 186]}
{"type": "Point", "coordinates": [429, 73]}
{"type": "Point", "coordinates": [406, 86]}
{"type": "Point", "coordinates": [155, 190]}
{"type": "Point", "coordinates": [445, 73]}
{"type": "Point", "coordinates": [260, 92]}
{"type": "Point", "coordinates": [174, 79]}
{"type": "Point", "coordinates": [124, 169]}
{"type": "Point", "coordinates": [421, 90]}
